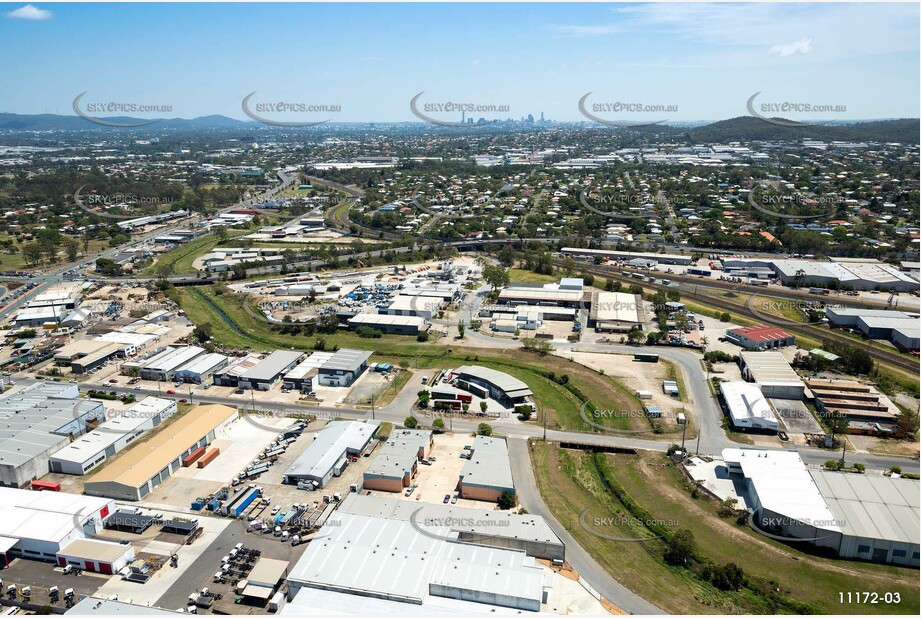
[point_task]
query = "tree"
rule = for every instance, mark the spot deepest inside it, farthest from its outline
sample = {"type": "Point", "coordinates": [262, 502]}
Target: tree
{"type": "Point", "coordinates": [221, 233]}
{"type": "Point", "coordinates": [507, 501]}
{"type": "Point", "coordinates": [680, 548]}
{"type": "Point", "coordinates": [533, 344]}
{"type": "Point", "coordinates": [635, 335]}
{"type": "Point", "coordinates": [484, 429]}
{"type": "Point", "coordinates": [410, 422]}
{"type": "Point", "coordinates": [31, 254]}
{"type": "Point", "coordinates": [837, 424]}
{"type": "Point", "coordinates": [495, 276]}
{"type": "Point", "coordinates": [424, 397]}
{"type": "Point", "coordinates": [727, 577]}
{"type": "Point", "coordinates": [908, 421]}
{"type": "Point", "coordinates": [438, 425]}
{"type": "Point", "coordinates": [524, 412]}
{"type": "Point", "coordinates": [461, 329]}
{"type": "Point", "coordinates": [202, 332]}
{"type": "Point", "coordinates": [72, 249]}
{"type": "Point", "coordinates": [483, 407]}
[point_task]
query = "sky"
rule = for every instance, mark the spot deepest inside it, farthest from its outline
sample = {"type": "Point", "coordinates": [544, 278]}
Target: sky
{"type": "Point", "coordinates": [704, 60]}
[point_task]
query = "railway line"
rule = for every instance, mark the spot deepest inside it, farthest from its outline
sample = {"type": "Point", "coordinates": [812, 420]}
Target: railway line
{"type": "Point", "coordinates": [891, 358]}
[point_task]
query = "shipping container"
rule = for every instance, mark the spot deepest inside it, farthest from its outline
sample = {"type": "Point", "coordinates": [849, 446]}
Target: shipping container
{"type": "Point", "coordinates": [45, 486]}
{"type": "Point", "coordinates": [646, 358]}
{"type": "Point", "coordinates": [208, 457]}
{"type": "Point", "coordinates": [192, 457]}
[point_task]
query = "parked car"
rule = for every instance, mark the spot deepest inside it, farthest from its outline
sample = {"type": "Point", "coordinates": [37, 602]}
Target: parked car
{"type": "Point", "coordinates": [447, 499]}
{"type": "Point", "coordinates": [170, 392]}
{"type": "Point", "coordinates": [454, 499]}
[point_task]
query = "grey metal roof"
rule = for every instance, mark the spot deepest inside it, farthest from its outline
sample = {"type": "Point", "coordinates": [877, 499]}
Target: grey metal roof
{"type": "Point", "coordinates": [330, 445]}
{"type": "Point", "coordinates": [458, 519]}
{"type": "Point", "coordinates": [272, 365]}
{"type": "Point", "coordinates": [874, 507]}
{"type": "Point", "coordinates": [503, 381]}
{"type": "Point", "coordinates": [346, 360]}
{"type": "Point", "coordinates": [489, 464]}
{"type": "Point", "coordinates": [396, 457]}
{"type": "Point", "coordinates": [39, 418]}
{"type": "Point", "coordinates": [770, 367]}
{"type": "Point", "coordinates": [399, 560]}
{"type": "Point", "coordinates": [173, 357]}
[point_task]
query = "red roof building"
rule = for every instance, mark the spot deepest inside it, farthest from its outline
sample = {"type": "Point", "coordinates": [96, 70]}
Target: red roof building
{"type": "Point", "coordinates": [760, 337]}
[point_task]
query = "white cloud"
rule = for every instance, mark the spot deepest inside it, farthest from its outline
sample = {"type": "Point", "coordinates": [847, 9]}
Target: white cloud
{"type": "Point", "coordinates": [803, 46]}
{"type": "Point", "coordinates": [30, 12]}
{"type": "Point", "coordinates": [586, 31]}
{"type": "Point", "coordinates": [826, 31]}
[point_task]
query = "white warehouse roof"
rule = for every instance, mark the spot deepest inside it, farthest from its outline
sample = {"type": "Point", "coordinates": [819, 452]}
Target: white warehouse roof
{"type": "Point", "coordinates": [45, 515]}
{"type": "Point", "coordinates": [747, 405]}
{"type": "Point", "coordinates": [329, 447]}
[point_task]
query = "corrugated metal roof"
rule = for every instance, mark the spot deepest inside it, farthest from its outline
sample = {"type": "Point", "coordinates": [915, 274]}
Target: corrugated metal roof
{"type": "Point", "coordinates": [876, 507]}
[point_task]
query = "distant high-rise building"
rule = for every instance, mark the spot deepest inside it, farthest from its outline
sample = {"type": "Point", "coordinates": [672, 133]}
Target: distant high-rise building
{"type": "Point", "coordinates": [542, 117]}
{"type": "Point", "coordinates": [530, 119]}
{"type": "Point", "coordinates": [463, 114]}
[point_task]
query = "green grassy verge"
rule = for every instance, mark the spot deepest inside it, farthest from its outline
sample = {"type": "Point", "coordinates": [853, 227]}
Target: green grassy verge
{"type": "Point", "coordinates": [656, 500]}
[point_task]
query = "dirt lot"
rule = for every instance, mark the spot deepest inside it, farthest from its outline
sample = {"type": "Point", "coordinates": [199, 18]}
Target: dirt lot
{"type": "Point", "coordinates": [634, 376]}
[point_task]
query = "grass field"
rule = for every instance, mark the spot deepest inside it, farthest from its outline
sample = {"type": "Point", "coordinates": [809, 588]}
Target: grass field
{"type": "Point", "coordinates": [780, 579]}
{"type": "Point", "coordinates": [517, 275]}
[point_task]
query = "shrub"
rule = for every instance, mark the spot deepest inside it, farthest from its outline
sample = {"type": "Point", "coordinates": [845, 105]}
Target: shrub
{"type": "Point", "coordinates": [507, 501]}
{"type": "Point", "coordinates": [366, 332]}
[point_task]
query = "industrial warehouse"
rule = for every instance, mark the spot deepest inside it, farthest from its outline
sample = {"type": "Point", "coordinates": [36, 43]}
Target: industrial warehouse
{"type": "Point", "coordinates": [35, 422]}
{"type": "Point", "coordinates": [489, 383]}
{"type": "Point", "coordinates": [760, 337]}
{"type": "Point", "coordinates": [615, 312]}
{"type": "Point", "coordinates": [487, 473]}
{"type": "Point", "coordinates": [901, 328]}
{"type": "Point", "coordinates": [747, 406]}
{"type": "Point", "coordinates": [867, 517]}
{"type": "Point", "coordinates": [111, 437]}
{"type": "Point", "coordinates": [264, 375]}
{"type": "Point", "coordinates": [329, 453]}
{"type": "Point", "coordinates": [38, 524]}
{"type": "Point", "coordinates": [398, 459]}
{"type": "Point", "coordinates": [868, 275]}
{"type": "Point", "coordinates": [390, 324]}
{"type": "Point", "coordinates": [470, 556]}
{"type": "Point", "coordinates": [772, 372]}
{"type": "Point", "coordinates": [140, 470]}
{"type": "Point", "coordinates": [163, 366]}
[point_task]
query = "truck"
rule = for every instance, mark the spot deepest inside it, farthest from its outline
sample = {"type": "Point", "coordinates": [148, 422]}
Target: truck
{"type": "Point", "coordinates": [276, 601]}
{"type": "Point", "coordinates": [235, 507]}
